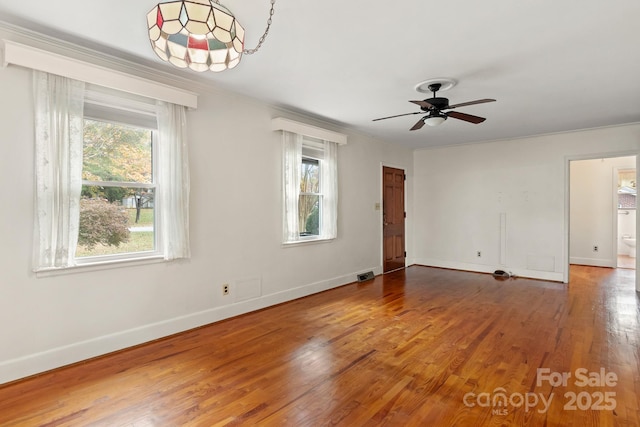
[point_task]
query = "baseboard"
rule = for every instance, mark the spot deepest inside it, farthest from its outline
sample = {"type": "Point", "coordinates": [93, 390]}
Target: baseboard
{"type": "Point", "coordinates": [481, 268]}
{"type": "Point", "coordinates": [594, 262]}
{"type": "Point", "coordinates": [37, 363]}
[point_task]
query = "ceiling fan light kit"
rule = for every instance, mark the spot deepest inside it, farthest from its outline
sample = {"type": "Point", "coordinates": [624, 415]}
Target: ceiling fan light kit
{"type": "Point", "coordinates": [201, 35]}
{"type": "Point", "coordinates": [435, 106]}
{"type": "Point", "coordinates": [435, 119]}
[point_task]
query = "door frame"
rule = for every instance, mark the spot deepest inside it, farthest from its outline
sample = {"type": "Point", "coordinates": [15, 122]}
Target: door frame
{"type": "Point", "coordinates": [616, 217]}
{"type": "Point", "coordinates": [381, 210]}
{"type": "Point", "coordinates": [567, 196]}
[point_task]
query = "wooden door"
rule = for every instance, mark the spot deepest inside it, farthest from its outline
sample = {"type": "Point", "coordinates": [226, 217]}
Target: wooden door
{"type": "Point", "coordinates": [393, 217]}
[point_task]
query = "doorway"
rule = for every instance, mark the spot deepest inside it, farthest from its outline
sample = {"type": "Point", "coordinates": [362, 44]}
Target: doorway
{"type": "Point", "coordinates": [602, 220]}
{"type": "Point", "coordinates": [393, 219]}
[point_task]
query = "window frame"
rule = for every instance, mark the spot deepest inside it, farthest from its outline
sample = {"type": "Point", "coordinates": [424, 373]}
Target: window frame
{"type": "Point", "coordinates": [320, 194]}
{"type": "Point", "coordinates": [293, 136]}
{"type": "Point", "coordinates": [313, 149]}
{"type": "Point", "coordinates": [102, 115]}
{"type": "Point", "coordinates": [55, 194]}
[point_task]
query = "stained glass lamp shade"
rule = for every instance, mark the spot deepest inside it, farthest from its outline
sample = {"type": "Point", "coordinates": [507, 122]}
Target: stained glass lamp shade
{"type": "Point", "coordinates": [198, 34]}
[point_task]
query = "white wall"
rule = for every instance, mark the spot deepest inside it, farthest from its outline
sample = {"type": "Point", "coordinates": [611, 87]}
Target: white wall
{"type": "Point", "coordinates": [626, 226]}
{"type": "Point", "coordinates": [593, 212]}
{"type": "Point", "coordinates": [235, 233]}
{"type": "Point", "coordinates": [460, 193]}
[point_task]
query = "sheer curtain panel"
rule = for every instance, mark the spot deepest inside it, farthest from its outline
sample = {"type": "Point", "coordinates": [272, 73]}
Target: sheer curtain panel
{"type": "Point", "coordinates": [173, 181]}
{"type": "Point", "coordinates": [58, 169]}
{"type": "Point", "coordinates": [329, 188]}
{"type": "Point", "coordinates": [292, 162]}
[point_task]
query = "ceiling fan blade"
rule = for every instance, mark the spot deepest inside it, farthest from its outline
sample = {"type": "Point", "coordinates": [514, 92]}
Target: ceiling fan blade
{"type": "Point", "coordinates": [464, 104]}
{"type": "Point", "coordinates": [466, 117]}
{"type": "Point", "coordinates": [423, 104]}
{"type": "Point", "coordinates": [399, 115]}
{"type": "Point", "coordinates": [418, 125]}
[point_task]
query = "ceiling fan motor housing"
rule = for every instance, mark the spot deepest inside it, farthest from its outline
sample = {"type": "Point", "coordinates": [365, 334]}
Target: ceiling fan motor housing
{"type": "Point", "coordinates": [437, 103]}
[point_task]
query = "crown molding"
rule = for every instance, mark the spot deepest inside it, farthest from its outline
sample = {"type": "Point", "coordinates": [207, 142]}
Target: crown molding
{"type": "Point", "coordinates": [106, 57]}
{"type": "Point", "coordinates": [280, 123]}
{"type": "Point", "coordinates": [43, 60]}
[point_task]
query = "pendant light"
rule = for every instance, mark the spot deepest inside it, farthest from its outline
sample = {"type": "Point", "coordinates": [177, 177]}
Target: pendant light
{"type": "Point", "coordinates": [199, 34]}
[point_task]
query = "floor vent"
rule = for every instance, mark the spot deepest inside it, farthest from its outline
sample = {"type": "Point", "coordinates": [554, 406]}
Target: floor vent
{"type": "Point", "coordinates": [365, 276]}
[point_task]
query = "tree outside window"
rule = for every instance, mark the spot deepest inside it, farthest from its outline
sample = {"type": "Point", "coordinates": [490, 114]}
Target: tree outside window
{"type": "Point", "coordinates": [310, 198]}
{"type": "Point", "coordinates": [117, 205]}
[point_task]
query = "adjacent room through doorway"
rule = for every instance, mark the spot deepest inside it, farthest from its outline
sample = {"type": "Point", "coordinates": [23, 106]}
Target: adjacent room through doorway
{"type": "Point", "coordinates": [602, 205]}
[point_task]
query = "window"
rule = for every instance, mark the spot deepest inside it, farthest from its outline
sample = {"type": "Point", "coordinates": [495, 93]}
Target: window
{"type": "Point", "coordinates": [310, 188]}
{"type": "Point", "coordinates": [310, 199]}
{"type": "Point", "coordinates": [117, 214]}
{"type": "Point", "coordinates": [117, 204]}
{"type": "Point", "coordinates": [111, 176]}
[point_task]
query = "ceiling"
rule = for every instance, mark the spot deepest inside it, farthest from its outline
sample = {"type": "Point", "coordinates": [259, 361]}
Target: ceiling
{"type": "Point", "coordinates": [553, 66]}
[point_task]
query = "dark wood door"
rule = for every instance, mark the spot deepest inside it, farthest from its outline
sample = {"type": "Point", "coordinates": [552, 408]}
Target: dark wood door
{"type": "Point", "coordinates": [393, 217]}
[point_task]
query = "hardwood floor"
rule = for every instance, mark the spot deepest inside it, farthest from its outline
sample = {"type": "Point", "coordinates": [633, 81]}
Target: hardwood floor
{"type": "Point", "coordinates": [418, 347]}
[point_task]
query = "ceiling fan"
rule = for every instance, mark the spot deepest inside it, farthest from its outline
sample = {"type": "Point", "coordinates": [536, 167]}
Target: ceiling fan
{"type": "Point", "coordinates": [434, 107]}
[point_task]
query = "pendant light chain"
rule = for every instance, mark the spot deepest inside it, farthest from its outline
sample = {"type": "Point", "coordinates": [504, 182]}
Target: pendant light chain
{"type": "Point", "coordinates": [266, 31]}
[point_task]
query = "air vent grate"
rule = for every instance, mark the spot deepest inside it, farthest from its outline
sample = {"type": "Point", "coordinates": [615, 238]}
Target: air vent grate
{"type": "Point", "coordinates": [365, 276]}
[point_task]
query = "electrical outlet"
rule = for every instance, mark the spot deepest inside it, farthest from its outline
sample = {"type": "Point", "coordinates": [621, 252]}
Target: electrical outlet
{"type": "Point", "coordinates": [595, 249]}
{"type": "Point", "coordinates": [479, 254]}
{"type": "Point", "coordinates": [225, 289]}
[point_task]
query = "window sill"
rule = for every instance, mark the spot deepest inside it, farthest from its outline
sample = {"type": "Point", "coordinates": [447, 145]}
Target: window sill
{"type": "Point", "coordinates": [307, 241]}
{"type": "Point", "coordinates": [100, 265]}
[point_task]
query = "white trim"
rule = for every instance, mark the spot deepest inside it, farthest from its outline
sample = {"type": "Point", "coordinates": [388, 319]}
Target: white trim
{"type": "Point", "coordinates": [119, 184]}
{"type": "Point", "coordinates": [614, 217]}
{"type": "Point", "coordinates": [307, 240]}
{"type": "Point", "coordinates": [637, 227]}
{"type": "Point", "coordinates": [38, 59]}
{"type": "Point", "coordinates": [516, 138]}
{"type": "Point", "coordinates": [481, 268]}
{"type": "Point", "coordinates": [145, 259]}
{"type": "Point", "coordinates": [594, 262]}
{"type": "Point", "coordinates": [280, 123]}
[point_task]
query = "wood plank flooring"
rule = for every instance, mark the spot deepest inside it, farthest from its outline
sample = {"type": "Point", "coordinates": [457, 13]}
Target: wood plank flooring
{"type": "Point", "coordinates": [418, 347]}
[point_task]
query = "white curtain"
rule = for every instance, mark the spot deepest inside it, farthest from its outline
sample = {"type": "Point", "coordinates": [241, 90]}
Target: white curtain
{"type": "Point", "coordinates": [173, 181]}
{"type": "Point", "coordinates": [58, 169]}
{"type": "Point", "coordinates": [329, 188]}
{"type": "Point", "coordinates": [292, 165]}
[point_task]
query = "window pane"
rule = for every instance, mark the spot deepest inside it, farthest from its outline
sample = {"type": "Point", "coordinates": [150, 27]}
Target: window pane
{"type": "Point", "coordinates": [310, 182]}
{"type": "Point", "coordinates": [309, 215]}
{"type": "Point", "coordinates": [115, 220]}
{"type": "Point", "coordinates": [114, 152]}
